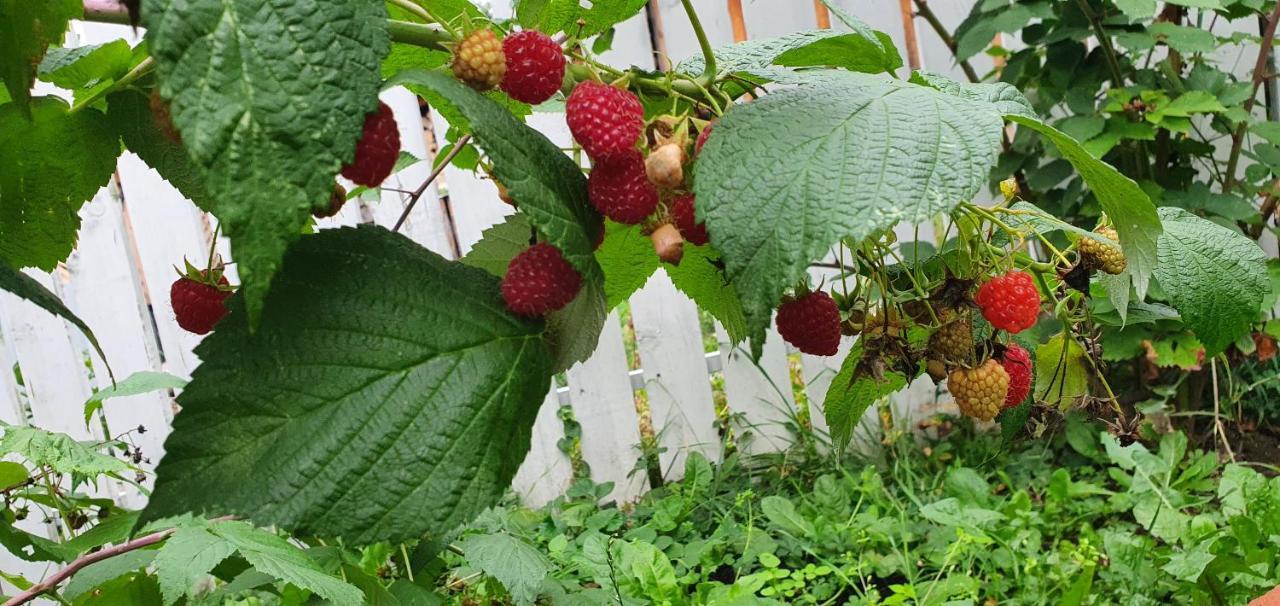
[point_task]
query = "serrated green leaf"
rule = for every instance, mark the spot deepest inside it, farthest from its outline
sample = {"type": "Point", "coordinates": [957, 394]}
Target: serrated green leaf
{"type": "Point", "coordinates": [51, 165]}
{"type": "Point", "coordinates": [130, 112]}
{"type": "Point", "coordinates": [27, 28]}
{"type": "Point", "coordinates": [627, 259]}
{"type": "Point", "coordinates": [277, 557]}
{"type": "Point", "coordinates": [270, 99]}
{"type": "Point", "coordinates": [1130, 209]}
{"type": "Point", "coordinates": [74, 68]}
{"type": "Point", "coordinates": [93, 577]}
{"type": "Point", "coordinates": [1061, 377]}
{"type": "Point", "coordinates": [1183, 38]}
{"type": "Point", "coordinates": [1214, 276]}
{"type": "Point", "coordinates": [186, 558]}
{"type": "Point", "coordinates": [143, 381]}
{"type": "Point", "coordinates": [516, 564]}
{"type": "Point", "coordinates": [547, 16]}
{"type": "Point", "coordinates": [26, 287]}
{"type": "Point", "coordinates": [387, 394]}
{"type": "Point", "coordinates": [549, 188]}
{"type": "Point", "coordinates": [699, 277]}
{"type": "Point", "coordinates": [844, 155]}
{"type": "Point", "coordinates": [821, 47]}
{"type": "Point", "coordinates": [499, 244]}
{"type": "Point", "coordinates": [782, 512]}
{"type": "Point", "coordinates": [574, 331]}
{"type": "Point", "coordinates": [601, 16]}
{"type": "Point", "coordinates": [1007, 99]}
{"type": "Point", "coordinates": [58, 451]}
{"type": "Point", "coordinates": [852, 390]}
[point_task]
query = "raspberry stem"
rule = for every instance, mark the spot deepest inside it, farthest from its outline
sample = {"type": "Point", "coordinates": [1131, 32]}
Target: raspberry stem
{"type": "Point", "coordinates": [709, 58]}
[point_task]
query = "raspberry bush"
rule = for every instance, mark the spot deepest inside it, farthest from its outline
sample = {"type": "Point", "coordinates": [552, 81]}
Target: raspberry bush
{"type": "Point", "coordinates": [401, 387]}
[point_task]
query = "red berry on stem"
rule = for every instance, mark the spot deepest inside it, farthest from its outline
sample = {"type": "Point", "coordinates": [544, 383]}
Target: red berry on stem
{"type": "Point", "coordinates": [605, 120]}
{"type": "Point", "coordinates": [619, 188]}
{"type": "Point", "coordinates": [539, 280]}
{"type": "Point", "coordinates": [535, 66]}
{"type": "Point", "coordinates": [377, 149]}
{"type": "Point", "coordinates": [682, 213]}
{"type": "Point", "coordinates": [1010, 302]}
{"type": "Point", "coordinates": [198, 306]}
{"type": "Point", "coordinates": [1017, 362]}
{"type": "Point", "coordinates": [702, 137]}
{"type": "Point", "coordinates": [811, 323]}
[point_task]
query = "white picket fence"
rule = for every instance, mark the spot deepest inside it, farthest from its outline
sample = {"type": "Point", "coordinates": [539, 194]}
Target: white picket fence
{"type": "Point", "coordinates": [138, 227]}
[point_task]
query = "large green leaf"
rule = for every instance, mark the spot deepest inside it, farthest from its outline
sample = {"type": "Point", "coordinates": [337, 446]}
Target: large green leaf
{"type": "Point", "coordinates": [387, 394]}
{"type": "Point", "coordinates": [49, 166]}
{"type": "Point", "coordinates": [27, 28]}
{"type": "Point", "coordinates": [130, 112]}
{"type": "Point", "coordinates": [549, 188]}
{"type": "Point", "coordinates": [186, 558]}
{"type": "Point", "coordinates": [82, 66]}
{"type": "Point", "coordinates": [1008, 99]}
{"type": "Point", "coordinates": [517, 565]}
{"type": "Point", "coordinates": [270, 98]}
{"type": "Point", "coordinates": [699, 277]}
{"type": "Point", "coordinates": [59, 452]}
{"type": "Point", "coordinates": [843, 155]}
{"type": "Point", "coordinates": [872, 53]}
{"type": "Point", "coordinates": [1213, 275]}
{"type": "Point", "coordinates": [279, 558]}
{"type": "Point", "coordinates": [26, 287]}
{"type": "Point", "coordinates": [853, 390]}
{"type": "Point", "coordinates": [1129, 208]}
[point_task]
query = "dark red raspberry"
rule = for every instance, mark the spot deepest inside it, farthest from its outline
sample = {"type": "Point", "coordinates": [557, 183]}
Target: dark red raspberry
{"type": "Point", "coordinates": [682, 213]}
{"type": "Point", "coordinates": [535, 66]}
{"type": "Point", "coordinates": [811, 323]}
{"type": "Point", "coordinates": [702, 137]}
{"type": "Point", "coordinates": [1010, 302]}
{"type": "Point", "coordinates": [539, 281]}
{"type": "Point", "coordinates": [619, 188]}
{"type": "Point", "coordinates": [1017, 362]}
{"type": "Point", "coordinates": [198, 306]}
{"type": "Point", "coordinates": [377, 150]}
{"type": "Point", "coordinates": [605, 120]}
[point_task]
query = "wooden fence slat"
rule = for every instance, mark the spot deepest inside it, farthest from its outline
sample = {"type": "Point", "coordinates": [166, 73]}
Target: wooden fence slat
{"type": "Point", "coordinates": [761, 394]}
{"type": "Point", "coordinates": [546, 472]}
{"type": "Point", "coordinates": [603, 403]}
{"type": "Point", "coordinates": [670, 343]}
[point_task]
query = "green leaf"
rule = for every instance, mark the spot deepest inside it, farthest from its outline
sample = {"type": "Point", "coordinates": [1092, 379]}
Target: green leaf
{"type": "Point", "coordinates": [604, 15]}
{"type": "Point", "coordinates": [27, 28]}
{"type": "Point", "coordinates": [52, 164]}
{"type": "Point", "coordinates": [852, 390]}
{"type": "Point", "coordinates": [822, 47]}
{"type": "Point", "coordinates": [270, 99]}
{"type": "Point", "coordinates": [186, 558]}
{"type": "Point", "coordinates": [130, 112]}
{"type": "Point", "coordinates": [699, 277]}
{"type": "Point", "coordinates": [1013, 420]}
{"type": "Point", "coordinates": [547, 16]}
{"type": "Point", "coordinates": [574, 331]}
{"type": "Point", "coordinates": [83, 66]}
{"type": "Point", "coordinates": [651, 570]}
{"type": "Point", "coordinates": [549, 188]}
{"type": "Point", "coordinates": [1061, 377]}
{"type": "Point", "coordinates": [847, 154]}
{"type": "Point", "coordinates": [115, 529]}
{"type": "Point", "coordinates": [12, 474]}
{"type": "Point", "coordinates": [1214, 276]}
{"type": "Point", "coordinates": [93, 576]}
{"type": "Point", "coordinates": [627, 259]}
{"type": "Point", "coordinates": [281, 559]}
{"type": "Point", "coordinates": [1130, 210]}
{"type": "Point", "coordinates": [499, 244]}
{"type": "Point", "coordinates": [26, 287]}
{"type": "Point", "coordinates": [1182, 38]}
{"type": "Point", "coordinates": [387, 394]}
{"type": "Point", "coordinates": [143, 381]}
{"type": "Point", "coordinates": [58, 451]}
{"type": "Point", "coordinates": [1008, 99]}
{"type": "Point", "coordinates": [782, 512]}
{"type": "Point", "coordinates": [519, 566]}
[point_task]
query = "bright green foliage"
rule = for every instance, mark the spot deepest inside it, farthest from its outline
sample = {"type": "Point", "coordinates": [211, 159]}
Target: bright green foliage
{"type": "Point", "coordinates": [852, 391]}
{"type": "Point", "coordinates": [1061, 374]}
{"type": "Point", "coordinates": [27, 28]}
{"type": "Point", "coordinates": [186, 558]}
{"type": "Point", "coordinates": [792, 173]}
{"type": "Point", "coordinates": [51, 163]}
{"type": "Point", "coordinates": [143, 381]}
{"type": "Point", "coordinates": [699, 277]}
{"type": "Point", "coordinates": [574, 331]}
{"type": "Point", "coordinates": [86, 66]}
{"type": "Point", "coordinates": [273, 555]}
{"type": "Point", "coordinates": [109, 578]}
{"type": "Point", "coordinates": [872, 54]}
{"type": "Point", "coordinates": [627, 259]}
{"type": "Point", "coordinates": [520, 568]}
{"type": "Point", "coordinates": [26, 287]}
{"type": "Point", "coordinates": [59, 452]}
{"type": "Point", "coordinates": [270, 99]}
{"type": "Point", "coordinates": [1213, 275]}
{"type": "Point", "coordinates": [387, 394]}
{"type": "Point", "coordinates": [499, 244]}
{"type": "Point", "coordinates": [553, 16]}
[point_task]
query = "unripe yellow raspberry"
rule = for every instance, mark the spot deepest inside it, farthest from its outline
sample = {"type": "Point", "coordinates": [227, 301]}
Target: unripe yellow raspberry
{"type": "Point", "coordinates": [981, 391]}
{"type": "Point", "coordinates": [1097, 255]}
{"type": "Point", "coordinates": [953, 341]}
{"type": "Point", "coordinates": [478, 61]}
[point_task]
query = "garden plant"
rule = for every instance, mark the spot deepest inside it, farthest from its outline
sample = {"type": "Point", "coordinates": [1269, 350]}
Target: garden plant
{"type": "Point", "coordinates": [363, 403]}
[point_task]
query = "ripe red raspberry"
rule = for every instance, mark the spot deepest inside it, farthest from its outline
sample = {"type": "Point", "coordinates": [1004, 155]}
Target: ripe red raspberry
{"type": "Point", "coordinates": [980, 392]}
{"type": "Point", "coordinates": [539, 281]}
{"type": "Point", "coordinates": [1010, 302]}
{"type": "Point", "coordinates": [535, 67]}
{"type": "Point", "coordinates": [1017, 362]}
{"type": "Point", "coordinates": [811, 323]}
{"type": "Point", "coordinates": [605, 120]}
{"type": "Point", "coordinates": [702, 137]}
{"type": "Point", "coordinates": [682, 213]}
{"type": "Point", "coordinates": [620, 190]}
{"type": "Point", "coordinates": [478, 60]}
{"type": "Point", "coordinates": [199, 305]}
{"type": "Point", "coordinates": [377, 149]}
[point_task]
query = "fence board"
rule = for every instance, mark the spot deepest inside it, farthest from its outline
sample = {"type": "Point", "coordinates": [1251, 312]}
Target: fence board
{"type": "Point", "coordinates": [603, 403]}
{"type": "Point", "coordinates": [669, 339]}
{"type": "Point", "coordinates": [546, 472]}
{"type": "Point", "coordinates": [760, 393]}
